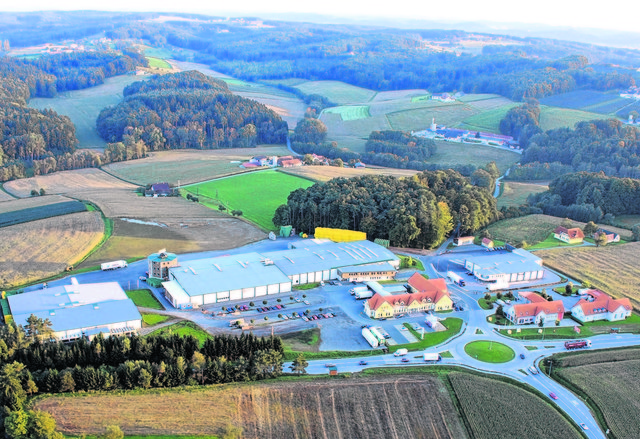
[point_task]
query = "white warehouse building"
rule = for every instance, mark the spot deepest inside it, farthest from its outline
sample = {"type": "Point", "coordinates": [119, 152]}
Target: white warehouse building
{"type": "Point", "coordinates": [251, 275]}
{"type": "Point", "coordinates": [505, 268]}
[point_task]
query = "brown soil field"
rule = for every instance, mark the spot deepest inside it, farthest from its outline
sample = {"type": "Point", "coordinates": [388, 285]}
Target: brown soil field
{"type": "Point", "coordinates": [14, 204]}
{"type": "Point", "coordinates": [326, 173]}
{"type": "Point", "coordinates": [131, 240]}
{"type": "Point", "coordinates": [5, 196]}
{"type": "Point", "coordinates": [390, 407]}
{"type": "Point", "coordinates": [195, 165]}
{"type": "Point", "coordinates": [67, 182]}
{"type": "Point", "coordinates": [613, 269]}
{"type": "Point", "coordinates": [43, 248]}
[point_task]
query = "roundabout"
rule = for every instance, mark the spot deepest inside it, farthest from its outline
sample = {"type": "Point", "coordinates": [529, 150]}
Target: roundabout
{"type": "Point", "coordinates": [489, 351]}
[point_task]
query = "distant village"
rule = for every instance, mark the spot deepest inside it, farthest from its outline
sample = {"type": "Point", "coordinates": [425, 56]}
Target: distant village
{"type": "Point", "coordinates": [289, 161]}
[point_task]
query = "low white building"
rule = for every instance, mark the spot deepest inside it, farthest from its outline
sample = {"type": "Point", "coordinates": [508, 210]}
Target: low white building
{"type": "Point", "coordinates": [506, 267]}
{"type": "Point", "coordinates": [595, 305]}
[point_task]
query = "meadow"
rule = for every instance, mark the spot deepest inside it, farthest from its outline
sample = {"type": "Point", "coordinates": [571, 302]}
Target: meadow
{"type": "Point", "coordinates": [495, 409]}
{"type": "Point", "coordinates": [608, 380]}
{"type": "Point", "coordinates": [515, 193]}
{"type": "Point", "coordinates": [350, 112]}
{"type": "Point", "coordinates": [613, 269]}
{"type": "Point", "coordinates": [256, 194]}
{"type": "Point", "coordinates": [158, 63]}
{"type": "Point", "coordinates": [326, 173]}
{"type": "Point", "coordinates": [184, 329]}
{"type": "Point", "coordinates": [83, 106]}
{"type": "Point", "coordinates": [452, 153]}
{"type": "Point", "coordinates": [363, 407]}
{"type": "Point", "coordinates": [339, 92]}
{"type": "Point", "coordinates": [43, 248]}
{"type": "Point", "coordinates": [552, 117]}
{"type": "Point", "coordinates": [578, 99]}
{"type": "Point", "coordinates": [449, 114]}
{"type": "Point", "coordinates": [487, 121]}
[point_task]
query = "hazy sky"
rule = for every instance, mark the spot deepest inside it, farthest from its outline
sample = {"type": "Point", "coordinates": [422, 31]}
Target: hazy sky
{"type": "Point", "coordinates": [573, 13]}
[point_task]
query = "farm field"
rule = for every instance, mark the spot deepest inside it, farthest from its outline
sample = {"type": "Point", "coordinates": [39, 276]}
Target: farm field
{"type": "Point", "coordinates": [350, 112]}
{"type": "Point", "coordinates": [195, 165]}
{"type": "Point", "coordinates": [515, 194]}
{"type": "Point", "coordinates": [158, 63]}
{"type": "Point", "coordinates": [552, 118]}
{"type": "Point", "coordinates": [14, 204]}
{"type": "Point", "coordinates": [497, 409]}
{"type": "Point", "coordinates": [612, 269]}
{"type": "Point", "coordinates": [535, 228]}
{"type": "Point", "coordinates": [83, 107]}
{"type": "Point", "coordinates": [488, 121]}
{"type": "Point", "coordinates": [486, 102]}
{"type": "Point", "coordinates": [336, 91]}
{"type": "Point", "coordinates": [41, 212]}
{"type": "Point", "coordinates": [451, 154]}
{"type": "Point", "coordinates": [578, 100]}
{"type": "Point", "coordinates": [5, 196]}
{"type": "Point", "coordinates": [326, 173]}
{"type": "Point", "coordinates": [628, 221]}
{"type": "Point", "coordinates": [256, 194]}
{"type": "Point", "coordinates": [610, 381]}
{"type": "Point", "coordinates": [393, 95]}
{"type": "Point", "coordinates": [420, 118]}
{"type": "Point", "coordinates": [43, 248]}
{"type": "Point", "coordinates": [317, 408]}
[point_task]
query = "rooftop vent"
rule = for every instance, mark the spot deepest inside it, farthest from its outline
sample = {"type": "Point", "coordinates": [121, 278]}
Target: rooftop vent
{"type": "Point", "coordinates": [192, 270]}
{"type": "Point", "coordinates": [218, 267]}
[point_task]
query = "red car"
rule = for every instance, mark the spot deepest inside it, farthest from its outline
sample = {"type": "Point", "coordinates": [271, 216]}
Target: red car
{"type": "Point", "coordinates": [553, 395]}
{"type": "Point", "coordinates": [405, 360]}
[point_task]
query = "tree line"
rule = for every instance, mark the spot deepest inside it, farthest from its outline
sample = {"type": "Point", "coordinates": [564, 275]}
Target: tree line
{"type": "Point", "coordinates": [416, 212]}
{"type": "Point", "coordinates": [189, 110]}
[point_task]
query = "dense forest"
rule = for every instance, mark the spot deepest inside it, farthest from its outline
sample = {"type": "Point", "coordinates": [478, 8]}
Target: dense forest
{"type": "Point", "coordinates": [522, 122]}
{"type": "Point", "coordinates": [609, 146]}
{"type": "Point", "coordinates": [189, 110]}
{"type": "Point", "coordinates": [414, 212]}
{"type": "Point", "coordinates": [586, 196]}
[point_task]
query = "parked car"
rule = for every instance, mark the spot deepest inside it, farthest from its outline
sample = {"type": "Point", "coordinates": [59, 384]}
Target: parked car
{"type": "Point", "coordinates": [553, 395]}
{"type": "Point", "coordinates": [279, 306]}
{"type": "Point", "coordinates": [405, 360]}
{"type": "Point", "coordinates": [259, 310]}
{"type": "Point", "coordinates": [305, 318]}
{"type": "Point", "coordinates": [387, 336]}
{"type": "Point", "coordinates": [522, 356]}
{"type": "Point", "coordinates": [142, 278]}
{"type": "Point", "coordinates": [329, 365]}
{"type": "Point", "coordinates": [283, 307]}
{"type": "Point", "coordinates": [306, 302]}
{"type": "Point", "coordinates": [362, 363]}
{"type": "Point", "coordinates": [297, 300]}
{"type": "Point", "coordinates": [584, 426]}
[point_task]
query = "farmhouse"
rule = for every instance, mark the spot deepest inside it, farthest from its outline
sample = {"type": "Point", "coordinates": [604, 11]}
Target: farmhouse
{"type": "Point", "coordinates": [463, 240]}
{"type": "Point", "coordinates": [289, 163]}
{"type": "Point", "coordinates": [487, 243]}
{"type": "Point", "coordinates": [425, 295]}
{"type": "Point", "coordinates": [250, 275]}
{"type": "Point", "coordinates": [535, 309]}
{"type": "Point", "coordinates": [77, 310]}
{"type": "Point", "coordinates": [596, 305]}
{"type": "Point", "coordinates": [570, 236]}
{"type": "Point", "coordinates": [159, 264]}
{"type": "Point", "coordinates": [517, 265]}
{"type": "Point", "coordinates": [159, 190]}
{"type": "Point", "coordinates": [611, 236]}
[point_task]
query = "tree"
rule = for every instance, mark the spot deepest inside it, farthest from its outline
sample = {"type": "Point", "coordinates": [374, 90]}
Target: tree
{"type": "Point", "coordinates": [541, 322]}
{"type": "Point", "coordinates": [487, 296]}
{"type": "Point", "coordinates": [568, 288]}
{"type": "Point", "coordinates": [37, 328]}
{"type": "Point", "coordinates": [198, 362]}
{"type": "Point", "coordinates": [500, 311]}
{"type": "Point", "coordinates": [590, 228]}
{"type": "Point", "coordinates": [264, 302]}
{"type": "Point", "coordinates": [482, 178]}
{"type": "Point", "coordinates": [635, 230]}
{"type": "Point", "coordinates": [601, 239]}
{"type": "Point", "coordinates": [236, 212]}
{"type": "Point", "coordinates": [34, 193]}
{"type": "Point", "coordinates": [299, 365]}
{"type": "Point", "coordinates": [310, 130]}
{"type": "Point", "coordinates": [42, 426]}
{"type": "Point", "coordinates": [308, 159]}
{"type": "Point", "coordinates": [281, 216]}
{"type": "Point", "coordinates": [567, 223]}
{"type": "Point", "coordinates": [113, 432]}
{"type": "Point", "coordinates": [42, 191]}
{"type": "Point", "coordinates": [252, 304]}
{"type": "Point", "coordinates": [16, 424]}
{"type": "Point", "coordinates": [338, 162]}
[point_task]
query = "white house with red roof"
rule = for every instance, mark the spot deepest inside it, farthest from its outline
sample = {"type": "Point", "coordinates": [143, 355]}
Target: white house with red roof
{"type": "Point", "coordinates": [570, 236]}
{"type": "Point", "coordinates": [611, 236]}
{"type": "Point", "coordinates": [535, 309]}
{"type": "Point", "coordinates": [595, 305]}
{"type": "Point", "coordinates": [486, 242]}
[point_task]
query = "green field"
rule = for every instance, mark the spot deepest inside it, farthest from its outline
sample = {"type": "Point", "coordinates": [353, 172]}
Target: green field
{"type": "Point", "coordinates": [144, 298]}
{"type": "Point", "coordinates": [238, 82]}
{"type": "Point", "coordinates": [489, 352]}
{"type": "Point", "coordinates": [550, 242]}
{"type": "Point", "coordinates": [256, 194]}
{"type": "Point", "coordinates": [553, 117]}
{"type": "Point", "coordinates": [336, 91]}
{"type": "Point", "coordinates": [158, 63]}
{"type": "Point", "coordinates": [488, 121]}
{"type": "Point", "coordinates": [153, 319]}
{"type": "Point", "coordinates": [420, 98]}
{"type": "Point", "coordinates": [451, 154]}
{"type": "Point", "coordinates": [418, 119]}
{"type": "Point", "coordinates": [350, 112]}
{"type": "Point", "coordinates": [515, 194]}
{"type": "Point", "coordinates": [83, 106]}
{"type": "Point", "coordinates": [184, 329]}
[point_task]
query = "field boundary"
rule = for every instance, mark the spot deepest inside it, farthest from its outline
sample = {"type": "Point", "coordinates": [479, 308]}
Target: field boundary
{"type": "Point", "coordinates": [8, 193]}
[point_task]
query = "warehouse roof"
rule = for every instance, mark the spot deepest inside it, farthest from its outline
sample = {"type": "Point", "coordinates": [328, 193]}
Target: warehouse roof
{"type": "Point", "coordinates": [226, 273]}
{"type": "Point", "coordinates": [329, 256]}
{"type": "Point", "coordinates": [378, 266]}
{"type": "Point", "coordinates": [518, 261]}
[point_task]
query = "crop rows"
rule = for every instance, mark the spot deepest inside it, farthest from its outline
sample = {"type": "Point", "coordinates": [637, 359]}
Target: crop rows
{"type": "Point", "coordinates": [585, 358]}
{"type": "Point", "coordinates": [610, 107]}
{"type": "Point", "coordinates": [576, 99]}
{"type": "Point", "coordinates": [624, 112]}
{"type": "Point", "coordinates": [496, 409]}
{"type": "Point", "coordinates": [42, 212]}
{"type": "Point", "coordinates": [614, 388]}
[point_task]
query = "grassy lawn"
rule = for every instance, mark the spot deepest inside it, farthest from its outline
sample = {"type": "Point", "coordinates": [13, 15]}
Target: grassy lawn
{"type": "Point", "coordinates": [410, 262]}
{"type": "Point", "coordinates": [256, 194]}
{"type": "Point", "coordinates": [555, 333]}
{"type": "Point", "coordinates": [488, 120]}
{"type": "Point", "coordinates": [489, 352]}
{"type": "Point", "coordinates": [553, 117]}
{"type": "Point", "coordinates": [302, 341]}
{"type": "Point", "coordinates": [183, 329]}
{"type": "Point", "coordinates": [515, 193]}
{"type": "Point", "coordinates": [310, 286]}
{"type": "Point", "coordinates": [562, 290]}
{"type": "Point", "coordinates": [158, 63]}
{"type": "Point", "coordinates": [633, 319]}
{"type": "Point", "coordinates": [144, 298]}
{"type": "Point", "coordinates": [531, 348]}
{"type": "Point", "coordinates": [446, 354]}
{"type": "Point", "coordinates": [149, 319]}
{"type": "Point", "coordinates": [550, 242]}
{"type": "Point", "coordinates": [336, 91]}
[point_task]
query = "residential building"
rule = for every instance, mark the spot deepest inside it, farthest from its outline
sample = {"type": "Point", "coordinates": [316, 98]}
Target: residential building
{"type": "Point", "coordinates": [159, 190]}
{"type": "Point", "coordinates": [464, 240]}
{"type": "Point", "coordinates": [289, 163]}
{"type": "Point", "coordinates": [595, 305]}
{"type": "Point", "coordinates": [570, 236]}
{"type": "Point", "coordinates": [534, 310]}
{"type": "Point", "coordinates": [487, 243]}
{"type": "Point", "coordinates": [611, 236]}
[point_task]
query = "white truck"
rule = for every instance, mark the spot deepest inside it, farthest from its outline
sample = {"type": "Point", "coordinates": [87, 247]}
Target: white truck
{"type": "Point", "coordinates": [428, 358]}
{"type": "Point", "coordinates": [364, 294]}
{"type": "Point", "coordinates": [401, 352]}
{"type": "Point", "coordinates": [114, 265]}
{"type": "Point", "coordinates": [358, 289]}
{"type": "Point", "coordinates": [371, 339]}
{"type": "Point", "coordinates": [455, 278]}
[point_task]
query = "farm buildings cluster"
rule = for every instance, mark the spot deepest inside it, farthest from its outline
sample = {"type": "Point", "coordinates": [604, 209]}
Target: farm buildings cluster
{"type": "Point", "coordinates": [250, 275]}
{"type": "Point", "coordinates": [441, 132]}
{"type": "Point", "coordinates": [79, 310]}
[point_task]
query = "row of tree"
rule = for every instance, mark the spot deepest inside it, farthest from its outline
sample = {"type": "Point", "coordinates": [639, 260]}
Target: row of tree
{"type": "Point", "coordinates": [414, 212]}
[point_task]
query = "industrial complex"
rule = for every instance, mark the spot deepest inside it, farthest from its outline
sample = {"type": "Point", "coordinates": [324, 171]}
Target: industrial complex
{"type": "Point", "coordinates": [506, 267]}
{"type": "Point", "coordinates": [250, 275]}
{"type": "Point", "coordinates": [79, 310]}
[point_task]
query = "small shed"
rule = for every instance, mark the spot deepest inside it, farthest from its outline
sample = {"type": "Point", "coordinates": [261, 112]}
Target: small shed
{"type": "Point", "coordinates": [333, 370]}
{"type": "Point", "coordinates": [463, 240]}
{"type": "Point", "coordinates": [488, 243]}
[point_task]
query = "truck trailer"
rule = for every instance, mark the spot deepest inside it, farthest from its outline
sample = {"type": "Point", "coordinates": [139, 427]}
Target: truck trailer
{"type": "Point", "coordinates": [371, 339]}
{"type": "Point", "coordinates": [363, 294]}
{"type": "Point", "coordinates": [358, 289]}
{"type": "Point", "coordinates": [431, 358]}
{"type": "Point", "coordinates": [577, 344]}
{"type": "Point", "coordinates": [114, 265]}
{"type": "Point", "coordinates": [455, 278]}
{"type": "Point", "coordinates": [378, 335]}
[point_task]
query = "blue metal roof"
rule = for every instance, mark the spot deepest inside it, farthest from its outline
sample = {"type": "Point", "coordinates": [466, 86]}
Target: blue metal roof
{"type": "Point", "coordinates": [378, 266]}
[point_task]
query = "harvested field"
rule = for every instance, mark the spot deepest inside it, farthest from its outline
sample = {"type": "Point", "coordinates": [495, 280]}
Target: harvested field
{"type": "Point", "coordinates": [5, 196]}
{"type": "Point", "coordinates": [612, 385]}
{"type": "Point", "coordinates": [131, 240]}
{"type": "Point", "coordinates": [41, 212]}
{"type": "Point", "coordinates": [195, 165]}
{"type": "Point", "coordinates": [612, 269]}
{"type": "Point", "coordinates": [326, 173]}
{"type": "Point", "coordinates": [515, 194]}
{"type": "Point", "coordinates": [336, 91]}
{"type": "Point", "coordinates": [496, 409]}
{"type": "Point", "coordinates": [535, 228]}
{"type": "Point", "coordinates": [26, 203]}
{"type": "Point", "coordinates": [392, 407]}
{"type": "Point", "coordinates": [490, 102]}
{"type": "Point", "coordinates": [43, 248]}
